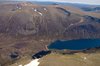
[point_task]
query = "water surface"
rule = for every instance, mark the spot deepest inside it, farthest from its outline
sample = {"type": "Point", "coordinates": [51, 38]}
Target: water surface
{"type": "Point", "coordinates": [75, 44]}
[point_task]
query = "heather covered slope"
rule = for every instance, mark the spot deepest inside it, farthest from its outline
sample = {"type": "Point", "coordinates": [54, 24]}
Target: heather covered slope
{"type": "Point", "coordinates": [31, 19]}
{"type": "Point", "coordinates": [35, 19]}
{"type": "Point", "coordinates": [27, 28]}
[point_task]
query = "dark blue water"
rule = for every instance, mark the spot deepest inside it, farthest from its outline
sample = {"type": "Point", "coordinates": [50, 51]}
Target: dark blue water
{"type": "Point", "coordinates": [75, 44]}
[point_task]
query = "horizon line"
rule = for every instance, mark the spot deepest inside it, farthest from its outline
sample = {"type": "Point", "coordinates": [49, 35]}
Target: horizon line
{"type": "Point", "coordinates": [55, 2]}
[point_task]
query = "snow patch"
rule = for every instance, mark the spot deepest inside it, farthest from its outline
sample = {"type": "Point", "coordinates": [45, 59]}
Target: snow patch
{"type": "Point", "coordinates": [20, 65]}
{"type": "Point", "coordinates": [85, 58]}
{"type": "Point", "coordinates": [40, 13]}
{"type": "Point", "coordinates": [18, 7]}
{"type": "Point", "coordinates": [35, 10]}
{"type": "Point", "coordinates": [45, 9]}
{"type": "Point", "coordinates": [33, 63]}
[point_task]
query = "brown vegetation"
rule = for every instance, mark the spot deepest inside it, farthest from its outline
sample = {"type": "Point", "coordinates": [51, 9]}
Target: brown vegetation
{"type": "Point", "coordinates": [27, 28]}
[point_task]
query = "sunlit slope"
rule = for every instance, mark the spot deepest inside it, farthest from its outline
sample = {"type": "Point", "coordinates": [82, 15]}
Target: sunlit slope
{"type": "Point", "coordinates": [71, 60]}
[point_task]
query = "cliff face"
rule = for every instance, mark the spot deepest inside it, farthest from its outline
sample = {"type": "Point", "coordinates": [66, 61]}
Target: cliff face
{"type": "Point", "coordinates": [28, 19]}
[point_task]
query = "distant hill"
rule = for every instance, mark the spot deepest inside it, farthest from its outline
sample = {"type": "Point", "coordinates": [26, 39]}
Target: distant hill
{"type": "Point", "coordinates": [91, 9]}
{"type": "Point", "coordinates": [84, 7]}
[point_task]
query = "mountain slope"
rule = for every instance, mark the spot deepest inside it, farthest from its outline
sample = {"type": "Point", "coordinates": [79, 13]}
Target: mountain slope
{"type": "Point", "coordinates": [29, 19]}
{"type": "Point", "coordinates": [27, 28]}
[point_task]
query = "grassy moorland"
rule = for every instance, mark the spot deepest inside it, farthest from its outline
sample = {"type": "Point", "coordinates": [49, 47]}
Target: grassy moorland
{"type": "Point", "coordinates": [71, 60]}
{"type": "Point", "coordinates": [56, 59]}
